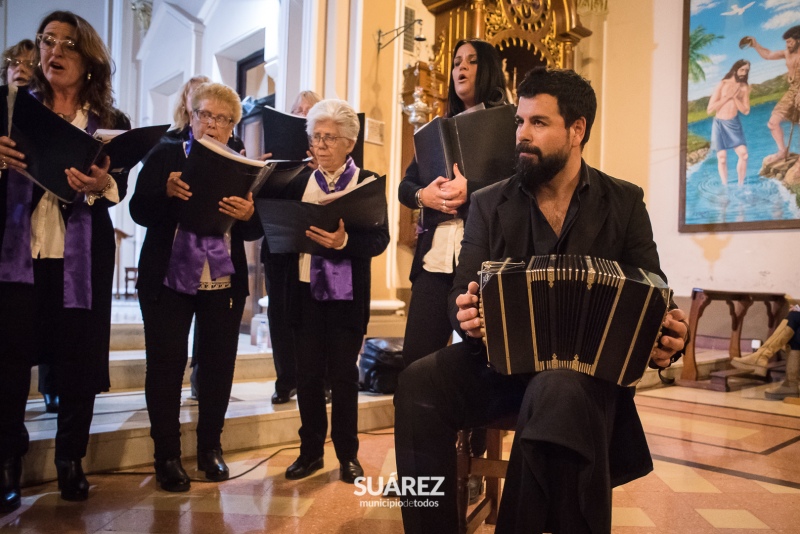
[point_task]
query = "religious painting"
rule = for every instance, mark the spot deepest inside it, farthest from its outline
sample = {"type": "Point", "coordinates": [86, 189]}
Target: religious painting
{"type": "Point", "coordinates": [741, 115]}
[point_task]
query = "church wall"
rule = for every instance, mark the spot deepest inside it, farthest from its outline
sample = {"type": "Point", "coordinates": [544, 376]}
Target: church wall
{"type": "Point", "coordinates": [380, 86]}
{"type": "Point", "coordinates": [641, 143]}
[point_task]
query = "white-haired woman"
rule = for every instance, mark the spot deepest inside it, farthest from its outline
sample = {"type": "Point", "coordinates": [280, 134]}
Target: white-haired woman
{"type": "Point", "coordinates": [328, 319]}
{"type": "Point", "coordinates": [175, 286]}
{"type": "Point", "coordinates": [282, 345]}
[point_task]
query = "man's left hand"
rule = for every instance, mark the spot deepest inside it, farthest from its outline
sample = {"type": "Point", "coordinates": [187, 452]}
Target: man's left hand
{"type": "Point", "coordinates": [673, 340]}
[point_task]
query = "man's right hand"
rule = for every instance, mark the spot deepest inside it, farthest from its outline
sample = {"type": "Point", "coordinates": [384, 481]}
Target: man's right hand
{"type": "Point", "coordinates": [469, 316]}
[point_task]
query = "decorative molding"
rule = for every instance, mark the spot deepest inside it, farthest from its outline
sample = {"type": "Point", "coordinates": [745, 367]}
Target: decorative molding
{"type": "Point", "coordinates": [599, 7]}
{"type": "Point", "coordinates": [143, 9]}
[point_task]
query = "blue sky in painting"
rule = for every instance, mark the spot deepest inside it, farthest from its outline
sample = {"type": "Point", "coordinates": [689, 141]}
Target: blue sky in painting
{"type": "Point", "coordinates": [766, 20]}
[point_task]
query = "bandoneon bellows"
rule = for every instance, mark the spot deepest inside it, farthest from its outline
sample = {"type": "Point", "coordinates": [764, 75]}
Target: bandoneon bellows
{"type": "Point", "coordinates": [591, 315]}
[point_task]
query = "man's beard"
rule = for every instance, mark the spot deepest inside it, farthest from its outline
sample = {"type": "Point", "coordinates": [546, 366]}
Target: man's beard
{"type": "Point", "coordinates": [534, 172]}
{"type": "Point", "coordinates": [740, 79]}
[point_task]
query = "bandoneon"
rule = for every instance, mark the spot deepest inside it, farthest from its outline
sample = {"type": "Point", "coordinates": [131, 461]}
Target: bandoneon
{"type": "Point", "coordinates": [591, 315]}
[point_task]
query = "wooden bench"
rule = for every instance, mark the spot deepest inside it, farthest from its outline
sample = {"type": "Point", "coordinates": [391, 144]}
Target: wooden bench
{"type": "Point", "coordinates": [738, 304]}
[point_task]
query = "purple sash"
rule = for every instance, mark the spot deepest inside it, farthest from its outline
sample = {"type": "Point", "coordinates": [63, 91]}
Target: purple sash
{"type": "Point", "coordinates": [333, 279]}
{"type": "Point", "coordinates": [189, 254]}
{"type": "Point", "coordinates": [16, 264]}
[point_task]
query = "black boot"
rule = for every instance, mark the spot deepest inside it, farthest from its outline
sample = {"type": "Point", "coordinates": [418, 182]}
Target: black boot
{"type": "Point", "coordinates": [71, 480]}
{"type": "Point", "coordinates": [171, 476]}
{"type": "Point", "coordinates": [10, 472]}
{"type": "Point", "coordinates": [212, 463]}
{"type": "Point", "coordinates": [51, 403]}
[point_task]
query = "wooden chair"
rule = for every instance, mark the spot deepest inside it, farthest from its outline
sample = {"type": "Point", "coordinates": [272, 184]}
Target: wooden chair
{"type": "Point", "coordinates": [131, 276]}
{"type": "Point", "coordinates": [493, 468]}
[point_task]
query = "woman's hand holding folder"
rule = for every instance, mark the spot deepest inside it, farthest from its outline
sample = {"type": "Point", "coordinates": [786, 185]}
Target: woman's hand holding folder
{"type": "Point", "coordinates": [445, 194]}
{"type": "Point", "coordinates": [334, 240]}
{"type": "Point", "coordinates": [10, 157]}
{"type": "Point", "coordinates": [238, 207]}
{"type": "Point", "coordinates": [177, 187]}
{"type": "Point", "coordinates": [97, 180]}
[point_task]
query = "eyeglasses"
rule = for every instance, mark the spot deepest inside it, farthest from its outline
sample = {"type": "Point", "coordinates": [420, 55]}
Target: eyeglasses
{"type": "Point", "coordinates": [324, 140]}
{"type": "Point", "coordinates": [14, 63]}
{"type": "Point", "coordinates": [207, 117]}
{"type": "Point", "coordinates": [48, 42]}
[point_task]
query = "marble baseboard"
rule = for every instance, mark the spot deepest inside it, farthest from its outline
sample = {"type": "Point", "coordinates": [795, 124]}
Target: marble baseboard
{"type": "Point", "coordinates": [127, 368]}
{"type": "Point", "coordinates": [120, 435]}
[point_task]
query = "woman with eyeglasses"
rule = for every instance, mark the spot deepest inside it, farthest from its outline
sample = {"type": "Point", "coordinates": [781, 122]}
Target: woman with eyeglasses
{"type": "Point", "coordinates": [181, 278]}
{"type": "Point", "coordinates": [18, 63]}
{"type": "Point", "coordinates": [17, 69]}
{"type": "Point", "coordinates": [182, 115]}
{"type": "Point", "coordinates": [182, 118]}
{"type": "Point", "coordinates": [57, 259]}
{"type": "Point", "coordinates": [325, 299]}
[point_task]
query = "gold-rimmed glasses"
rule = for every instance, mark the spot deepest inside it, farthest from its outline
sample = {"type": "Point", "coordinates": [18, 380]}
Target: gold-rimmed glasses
{"type": "Point", "coordinates": [48, 42]}
{"type": "Point", "coordinates": [15, 62]}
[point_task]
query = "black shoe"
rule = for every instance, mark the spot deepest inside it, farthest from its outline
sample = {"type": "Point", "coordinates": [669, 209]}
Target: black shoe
{"type": "Point", "coordinates": [50, 403]}
{"type": "Point", "coordinates": [171, 476]}
{"type": "Point", "coordinates": [350, 470]}
{"type": "Point", "coordinates": [328, 396]}
{"type": "Point", "coordinates": [283, 397]}
{"type": "Point", "coordinates": [212, 463]}
{"type": "Point", "coordinates": [303, 467]}
{"type": "Point", "coordinates": [71, 480]}
{"type": "Point", "coordinates": [10, 472]}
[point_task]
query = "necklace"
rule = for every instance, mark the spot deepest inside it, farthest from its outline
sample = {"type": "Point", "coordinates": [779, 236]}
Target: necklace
{"type": "Point", "coordinates": [70, 117]}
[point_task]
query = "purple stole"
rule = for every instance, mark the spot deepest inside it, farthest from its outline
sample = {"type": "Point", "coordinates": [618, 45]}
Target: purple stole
{"type": "Point", "coordinates": [333, 279]}
{"type": "Point", "coordinates": [190, 253]}
{"type": "Point", "coordinates": [16, 263]}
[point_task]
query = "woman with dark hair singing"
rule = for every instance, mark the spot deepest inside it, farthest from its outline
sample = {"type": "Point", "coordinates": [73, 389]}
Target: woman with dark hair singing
{"type": "Point", "coordinates": [57, 260]}
{"type": "Point", "coordinates": [476, 82]}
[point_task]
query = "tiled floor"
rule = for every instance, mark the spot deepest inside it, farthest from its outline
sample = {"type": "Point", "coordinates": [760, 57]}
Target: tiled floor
{"type": "Point", "coordinates": [724, 462]}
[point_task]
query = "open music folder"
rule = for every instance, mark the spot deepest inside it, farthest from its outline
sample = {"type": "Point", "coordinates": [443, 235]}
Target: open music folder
{"type": "Point", "coordinates": [284, 135]}
{"type": "Point", "coordinates": [127, 148]}
{"type": "Point", "coordinates": [51, 145]}
{"type": "Point", "coordinates": [213, 172]}
{"type": "Point", "coordinates": [285, 221]}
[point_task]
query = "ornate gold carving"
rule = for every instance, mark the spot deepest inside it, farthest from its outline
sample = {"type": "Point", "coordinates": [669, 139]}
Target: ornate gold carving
{"type": "Point", "coordinates": [594, 6]}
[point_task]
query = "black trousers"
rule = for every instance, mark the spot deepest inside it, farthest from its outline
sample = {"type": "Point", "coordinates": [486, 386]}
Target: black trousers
{"type": "Point", "coordinates": [47, 379]}
{"type": "Point", "coordinates": [428, 327]}
{"type": "Point", "coordinates": [454, 388]}
{"type": "Point", "coordinates": [167, 321]}
{"type": "Point", "coordinates": [25, 336]}
{"type": "Point", "coordinates": [323, 345]}
{"type": "Point", "coordinates": [283, 355]}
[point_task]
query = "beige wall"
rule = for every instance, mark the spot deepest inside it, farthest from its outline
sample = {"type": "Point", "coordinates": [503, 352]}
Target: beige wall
{"type": "Point", "coordinates": [379, 97]}
{"type": "Point", "coordinates": [640, 130]}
